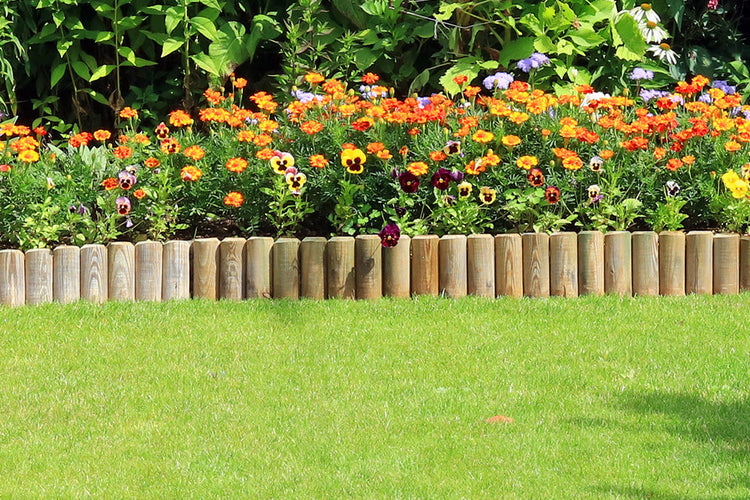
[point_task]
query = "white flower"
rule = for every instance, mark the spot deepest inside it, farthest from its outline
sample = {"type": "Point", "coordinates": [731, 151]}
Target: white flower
{"type": "Point", "coordinates": [664, 52]}
{"type": "Point", "coordinates": [652, 32]}
{"type": "Point", "coordinates": [644, 10]}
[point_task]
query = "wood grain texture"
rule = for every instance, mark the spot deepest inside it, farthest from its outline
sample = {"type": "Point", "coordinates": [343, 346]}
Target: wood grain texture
{"type": "Point", "coordinates": [232, 268]}
{"type": "Point", "coordinates": [94, 273]}
{"type": "Point", "coordinates": [480, 265]}
{"type": "Point", "coordinates": [452, 274]}
{"type": "Point", "coordinates": [286, 268]}
{"type": "Point", "coordinates": [726, 278]}
{"type": "Point", "coordinates": [591, 263]}
{"type": "Point", "coordinates": [508, 265]}
{"type": "Point", "coordinates": [312, 254]}
{"type": "Point", "coordinates": [205, 268]}
{"type": "Point", "coordinates": [425, 265]}
{"type": "Point", "coordinates": [66, 281]}
{"type": "Point", "coordinates": [535, 264]}
{"type": "Point", "coordinates": [397, 269]}
{"type": "Point", "coordinates": [563, 264]}
{"type": "Point", "coordinates": [745, 263]}
{"type": "Point", "coordinates": [368, 266]}
{"type": "Point", "coordinates": [121, 263]}
{"type": "Point", "coordinates": [645, 263]}
{"type": "Point", "coordinates": [176, 270]}
{"type": "Point", "coordinates": [149, 256]}
{"type": "Point", "coordinates": [340, 272]}
{"type": "Point", "coordinates": [699, 253]}
{"type": "Point", "coordinates": [38, 272]}
{"type": "Point", "coordinates": [618, 263]}
{"type": "Point", "coordinates": [12, 278]}
{"type": "Point", "coordinates": [258, 267]}
{"type": "Point", "coordinates": [672, 263]}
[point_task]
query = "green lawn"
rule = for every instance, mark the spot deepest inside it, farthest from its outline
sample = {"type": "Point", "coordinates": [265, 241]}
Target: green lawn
{"type": "Point", "coordinates": [612, 398]}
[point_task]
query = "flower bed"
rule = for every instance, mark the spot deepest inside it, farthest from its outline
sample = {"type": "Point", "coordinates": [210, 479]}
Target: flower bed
{"type": "Point", "coordinates": [532, 264]}
{"type": "Point", "coordinates": [338, 160]}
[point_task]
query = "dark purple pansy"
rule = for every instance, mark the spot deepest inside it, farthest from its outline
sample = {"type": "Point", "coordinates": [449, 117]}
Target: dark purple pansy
{"type": "Point", "coordinates": [389, 235]}
{"type": "Point", "coordinates": [409, 182]}
{"type": "Point", "coordinates": [441, 179]}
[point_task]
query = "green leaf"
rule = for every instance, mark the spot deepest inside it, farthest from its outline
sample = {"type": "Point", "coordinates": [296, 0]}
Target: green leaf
{"type": "Point", "coordinates": [170, 45]}
{"type": "Point", "coordinates": [374, 7]}
{"type": "Point", "coordinates": [102, 71]}
{"type": "Point", "coordinates": [63, 46]}
{"type": "Point", "coordinates": [544, 45]}
{"type": "Point", "coordinates": [214, 4]}
{"type": "Point", "coordinates": [586, 38]}
{"type": "Point", "coordinates": [516, 50]}
{"type": "Point", "coordinates": [104, 36]}
{"type": "Point", "coordinates": [446, 11]}
{"type": "Point", "coordinates": [629, 34]}
{"type": "Point", "coordinates": [364, 58]}
{"type": "Point", "coordinates": [173, 18]}
{"type": "Point", "coordinates": [58, 17]}
{"type": "Point", "coordinates": [57, 73]}
{"type": "Point", "coordinates": [207, 64]}
{"type": "Point", "coordinates": [129, 22]}
{"type": "Point", "coordinates": [205, 27]}
{"type": "Point", "coordinates": [80, 68]}
{"type": "Point", "coordinates": [128, 54]}
{"type": "Point", "coordinates": [264, 28]}
{"type": "Point", "coordinates": [420, 81]}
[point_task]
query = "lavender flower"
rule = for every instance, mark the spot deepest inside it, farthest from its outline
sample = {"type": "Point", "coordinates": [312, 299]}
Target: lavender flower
{"type": "Point", "coordinates": [724, 87]}
{"type": "Point", "coordinates": [641, 74]}
{"type": "Point", "coordinates": [499, 80]}
{"type": "Point", "coordinates": [650, 94]}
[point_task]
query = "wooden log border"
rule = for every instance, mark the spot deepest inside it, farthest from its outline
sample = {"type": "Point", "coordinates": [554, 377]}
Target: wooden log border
{"type": "Point", "coordinates": [534, 265]}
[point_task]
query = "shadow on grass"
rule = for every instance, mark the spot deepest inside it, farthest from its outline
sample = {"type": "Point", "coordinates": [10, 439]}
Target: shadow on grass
{"type": "Point", "coordinates": [721, 428]}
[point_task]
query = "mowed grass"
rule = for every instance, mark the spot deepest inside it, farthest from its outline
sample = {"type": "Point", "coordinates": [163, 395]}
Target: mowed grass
{"type": "Point", "coordinates": [611, 398]}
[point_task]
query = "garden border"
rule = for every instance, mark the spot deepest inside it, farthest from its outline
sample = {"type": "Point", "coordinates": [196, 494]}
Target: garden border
{"type": "Point", "coordinates": [531, 264]}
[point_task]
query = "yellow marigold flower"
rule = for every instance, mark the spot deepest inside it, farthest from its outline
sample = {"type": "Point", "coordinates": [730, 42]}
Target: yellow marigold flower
{"type": "Point", "coordinates": [152, 162]}
{"type": "Point", "coordinates": [732, 146]}
{"type": "Point", "coordinates": [572, 163]}
{"type": "Point", "coordinates": [265, 154]}
{"type": "Point", "coordinates": [28, 156]}
{"type": "Point", "coordinates": [245, 136]}
{"type": "Point", "coordinates": [311, 127]}
{"type": "Point", "coordinates": [128, 113]}
{"type": "Point", "coordinates": [102, 135]}
{"type": "Point", "coordinates": [482, 136]}
{"type": "Point", "coordinates": [527, 162]}
{"type": "Point", "coordinates": [194, 152]}
{"type": "Point", "coordinates": [490, 159]}
{"type": "Point", "coordinates": [262, 140]}
{"type": "Point", "coordinates": [511, 140]}
{"type": "Point", "coordinates": [417, 168]}
{"type": "Point", "coordinates": [314, 78]}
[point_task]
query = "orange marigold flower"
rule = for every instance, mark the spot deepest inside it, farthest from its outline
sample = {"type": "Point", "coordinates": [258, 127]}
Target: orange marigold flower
{"type": "Point", "coordinates": [333, 87]}
{"type": "Point", "coordinates": [128, 113]}
{"type": "Point", "coordinates": [563, 153]}
{"type": "Point", "coordinates": [152, 162]}
{"type": "Point", "coordinates": [348, 145]}
{"type": "Point", "coordinates": [546, 132]}
{"type": "Point", "coordinates": [311, 127]}
{"type": "Point", "coordinates": [384, 155]}
{"type": "Point", "coordinates": [673, 164]}
{"type": "Point", "coordinates": [110, 183]}
{"type": "Point", "coordinates": [460, 79]}
{"type": "Point", "coordinates": [234, 199]}
{"type": "Point", "coordinates": [490, 159]}
{"type": "Point", "coordinates": [417, 168]}
{"type": "Point", "coordinates": [572, 163]}
{"type": "Point", "coordinates": [567, 132]}
{"type": "Point", "coordinates": [606, 154]}
{"type": "Point", "coordinates": [180, 118]}
{"type": "Point", "coordinates": [194, 152]}
{"type": "Point", "coordinates": [318, 161]}
{"type": "Point", "coordinates": [236, 164]}
{"type": "Point", "coordinates": [40, 131]}
{"type": "Point", "coordinates": [527, 162]}
{"type": "Point", "coordinates": [265, 154]}
{"type": "Point", "coordinates": [239, 83]}
{"type": "Point", "coordinates": [374, 147]}
{"type": "Point", "coordinates": [142, 139]}
{"type": "Point", "coordinates": [483, 137]}
{"type": "Point", "coordinates": [362, 124]}
{"type": "Point", "coordinates": [438, 156]}
{"type": "Point", "coordinates": [262, 140]}
{"type": "Point", "coordinates": [688, 159]}
{"type": "Point", "coordinates": [659, 153]}
{"type": "Point", "coordinates": [190, 173]}
{"type": "Point", "coordinates": [123, 152]}
{"type": "Point", "coordinates": [403, 151]}
{"type": "Point", "coordinates": [635, 143]}
{"type": "Point", "coordinates": [732, 146]}
{"type": "Point", "coordinates": [28, 156]}
{"type": "Point", "coordinates": [213, 96]}
{"type": "Point", "coordinates": [245, 136]}
{"type": "Point", "coordinates": [511, 140]}
{"type": "Point", "coordinates": [102, 135]}
{"type": "Point", "coordinates": [139, 194]}
{"type": "Point", "coordinates": [471, 91]}
{"type": "Point", "coordinates": [370, 78]}
{"type": "Point", "coordinates": [314, 78]}
{"type": "Point", "coordinates": [475, 167]}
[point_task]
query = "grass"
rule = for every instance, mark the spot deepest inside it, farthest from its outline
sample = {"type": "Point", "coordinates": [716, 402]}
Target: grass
{"type": "Point", "coordinates": [612, 398]}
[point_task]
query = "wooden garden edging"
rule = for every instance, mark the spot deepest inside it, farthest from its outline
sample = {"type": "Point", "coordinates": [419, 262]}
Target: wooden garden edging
{"type": "Point", "coordinates": [532, 265]}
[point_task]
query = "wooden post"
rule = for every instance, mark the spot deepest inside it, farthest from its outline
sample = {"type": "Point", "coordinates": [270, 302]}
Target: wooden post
{"type": "Point", "coordinates": [176, 270]}
{"type": "Point", "coordinates": [397, 269]}
{"type": "Point", "coordinates": [727, 264]}
{"type": "Point", "coordinates": [205, 268]}
{"type": "Point", "coordinates": [121, 260]}
{"type": "Point", "coordinates": [645, 263]}
{"type": "Point", "coordinates": [508, 265]}
{"type": "Point", "coordinates": [699, 251]}
{"type": "Point", "coordinates": [452, 280]}
{"type": "Point", "coordinates": [563, 264]}
{"type": "Point", "coordinates": [12, 278]}
{"type": "Point", "coordinates": [66, 283]}
{"type": "Point", "coordinates": [672, 263]}
{"type": "Point", "coordinates": [232, 268]}
{"type": "Point", "coordinates": [149, 256]}
{"type": "Point", "coordinates": [38, 276]}
{"type": "Point", "coordinates": [424, 265]}
{"type": "Point", "coordinates": [535, 264]}
{"type": "Point", "coordinates": [618, 263]}
{"type": "Point", "coordinates": [340, 273]}
{"type": "Point", "coordinates": [258, 250]}
{"type": "Point", "coordinates": [286, 268]}
{"type": "Point", "coordinates": [591, 263]}
{"type": "Point", "coordinates": [745, 263]}
{"type": "Point", "coordinates": [312, 255]}
{"type": "Point", "coordinates": [368, 266]}
{"type": "Point", "coordinates": [480, 265]}
{"type": "Point", "coordinates": [94, 273]}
